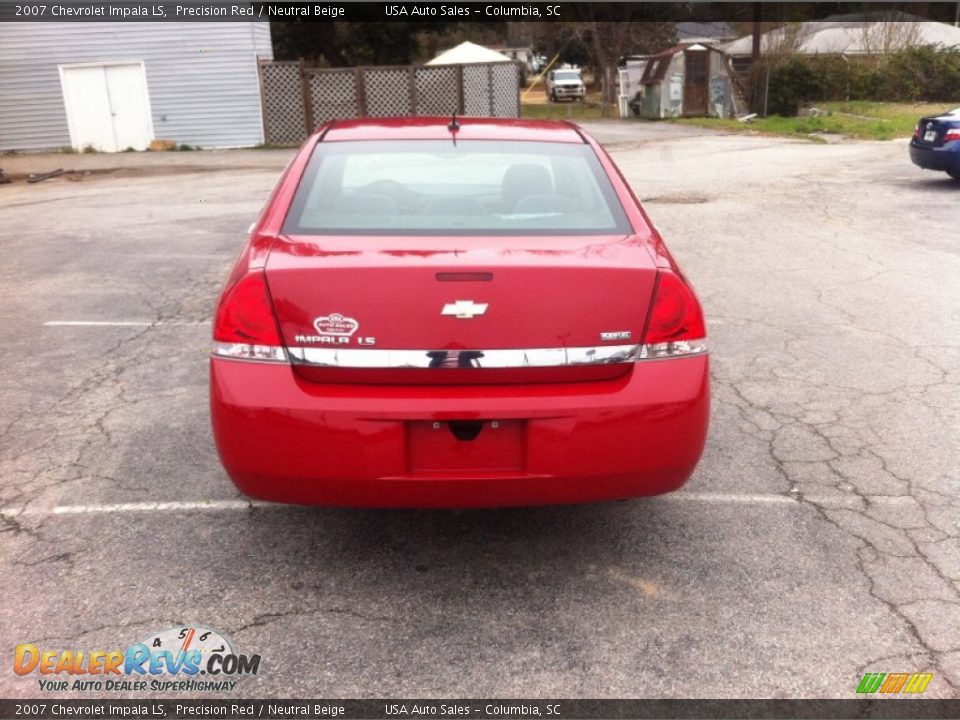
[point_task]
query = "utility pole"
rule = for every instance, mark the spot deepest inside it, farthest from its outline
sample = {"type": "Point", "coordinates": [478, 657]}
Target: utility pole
{"type": "Point", "coordinates": [755, 58]}
{"type": "Point", "coordinates": [757, 25]}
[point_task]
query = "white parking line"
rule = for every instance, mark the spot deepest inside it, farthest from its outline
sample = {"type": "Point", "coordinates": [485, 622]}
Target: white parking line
{"type": "Point", "coordinates": [120, 323]}
{"type": "Point", "coordinates": [159, 506]}
{"type": "Point", "coordinates": [173, 506]}
{"type": "Point", "coordinates": [172, 256]}
{"type": "Point", "coordinates": [230, 505]}
{"type": "Point", "coordinates": [733, 498]}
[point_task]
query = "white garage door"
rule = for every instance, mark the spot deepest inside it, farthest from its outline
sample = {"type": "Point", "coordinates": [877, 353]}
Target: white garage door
{"type": "Point", "coordinates": [108, 107]}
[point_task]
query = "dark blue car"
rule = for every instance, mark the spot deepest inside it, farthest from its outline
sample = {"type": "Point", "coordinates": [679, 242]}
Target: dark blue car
{"type": "Point", "coordinates": [936, 143]}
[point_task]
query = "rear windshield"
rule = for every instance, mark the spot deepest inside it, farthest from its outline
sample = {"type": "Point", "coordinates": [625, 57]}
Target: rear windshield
{"type": "Point", "coordinates": [478, 187]}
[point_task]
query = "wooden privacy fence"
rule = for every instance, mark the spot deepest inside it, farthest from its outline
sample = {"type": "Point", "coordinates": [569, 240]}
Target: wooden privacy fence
{"type": "Point", "coordinates": [297, 99]}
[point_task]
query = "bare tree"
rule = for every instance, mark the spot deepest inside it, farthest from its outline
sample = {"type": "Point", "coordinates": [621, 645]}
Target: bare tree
{"type": "Point", "coordinates": [633, 31]}
{"type": "Point", "coordinates": [888, 35]}
{"type": "Point", "coordinates": [784, 42]}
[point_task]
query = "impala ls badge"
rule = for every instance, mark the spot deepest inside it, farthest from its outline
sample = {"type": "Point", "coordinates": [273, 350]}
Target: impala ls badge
{"type": "Point", "coordinates": [464, 309]}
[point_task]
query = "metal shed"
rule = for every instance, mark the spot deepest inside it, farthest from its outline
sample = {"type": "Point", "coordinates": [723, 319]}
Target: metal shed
{"type": "Point", "coordinates": [114, 86]}
{"type": "Point", "coordinates": [690, 79]}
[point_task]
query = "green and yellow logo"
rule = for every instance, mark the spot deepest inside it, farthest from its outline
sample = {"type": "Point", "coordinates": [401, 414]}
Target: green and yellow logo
{"type": "Point", "coordinates": [892, 683]}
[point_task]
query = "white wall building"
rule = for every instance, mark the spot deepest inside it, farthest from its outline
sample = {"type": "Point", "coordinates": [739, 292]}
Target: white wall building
{"type": "Point", "coordinates": [114, 86]}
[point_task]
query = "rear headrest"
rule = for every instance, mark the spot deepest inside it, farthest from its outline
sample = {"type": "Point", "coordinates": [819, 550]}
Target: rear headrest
{"type": "Point", "coordinates": [522, 180]}
{"type": "Point", "coordinates": [541, 203]}
{"type": "Point", "coordinates": [368, 204]}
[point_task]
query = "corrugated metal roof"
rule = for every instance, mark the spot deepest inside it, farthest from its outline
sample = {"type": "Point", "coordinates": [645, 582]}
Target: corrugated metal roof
{"type": "Point", "coordinates": [201, 77]}
{"type": "Point", "coordinates": [850, 37]}
{"type": "Point", "coordinates": [699, 31]}
{"type": "Point", "coordinates": [656, 69]}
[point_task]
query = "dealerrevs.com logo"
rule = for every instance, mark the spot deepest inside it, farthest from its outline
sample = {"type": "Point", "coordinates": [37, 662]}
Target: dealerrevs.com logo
{"type": "Point", "coordinates": [188, 659]}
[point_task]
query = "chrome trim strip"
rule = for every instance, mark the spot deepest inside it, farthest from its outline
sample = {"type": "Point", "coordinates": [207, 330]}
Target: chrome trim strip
{"type": "Point", "coordinates": [510, 358]}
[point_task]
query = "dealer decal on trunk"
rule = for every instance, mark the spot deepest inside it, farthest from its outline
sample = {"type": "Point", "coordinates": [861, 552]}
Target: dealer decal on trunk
{"type": "Point", "coordinates": [335, 329]}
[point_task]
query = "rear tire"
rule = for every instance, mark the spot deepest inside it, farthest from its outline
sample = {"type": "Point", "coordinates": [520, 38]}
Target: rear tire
{"type": "Point", "coordinates": [955, 174]}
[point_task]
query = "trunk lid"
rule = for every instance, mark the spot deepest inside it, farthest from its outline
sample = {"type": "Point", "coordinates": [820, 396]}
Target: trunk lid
{"type": "Point", "coordinates": [460, 294]}
{"type": "Point", "coordinates": [932, 130]}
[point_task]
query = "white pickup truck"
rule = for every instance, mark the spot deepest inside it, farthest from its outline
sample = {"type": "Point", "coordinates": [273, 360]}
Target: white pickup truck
{"type": "Point", "coordinates": [564, 84]}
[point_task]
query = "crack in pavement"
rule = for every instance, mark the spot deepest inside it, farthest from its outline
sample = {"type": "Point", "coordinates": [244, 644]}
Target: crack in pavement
{"type": "Point", "coordinates": [826, 437]}
{"type": "Point", "coordinates": [820, 361]}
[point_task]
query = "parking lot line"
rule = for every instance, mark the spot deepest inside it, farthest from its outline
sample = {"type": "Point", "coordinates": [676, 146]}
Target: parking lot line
{"type": "Point", "coordinates": [230, 505]}
{"type": "Point", "coordinates": [173, 506]}
{"type": "Point", "coordinates": [120, 323]}
{"type": "Point", "coordinates": [135, 507]}
{"type": "Point", "coordinates": [223, 257]}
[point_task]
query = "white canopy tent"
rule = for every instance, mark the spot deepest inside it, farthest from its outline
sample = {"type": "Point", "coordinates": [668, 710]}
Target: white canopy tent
{"type": "Point", "coordinates": [468, 53]}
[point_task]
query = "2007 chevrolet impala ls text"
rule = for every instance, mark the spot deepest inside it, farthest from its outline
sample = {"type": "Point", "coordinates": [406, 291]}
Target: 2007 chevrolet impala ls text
{"type": "Point", "coordinates": [456, 312]}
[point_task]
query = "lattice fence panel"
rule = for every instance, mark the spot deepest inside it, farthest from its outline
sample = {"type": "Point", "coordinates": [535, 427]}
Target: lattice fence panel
{"type": "Point", "coordinates": [283, 116]}
{"type": "Point", "coordinates": [506, 90]}
{"type": "Point", "coordinates": [333, 95]}
{"type": "Point", "coordinates": [388, 92]}
{"type": "Point", "coordinates": [488, 90]}
{"type": "Point", "coordinates": [476, 90]}
{"type": "Point", "coordinates": [437, 92]}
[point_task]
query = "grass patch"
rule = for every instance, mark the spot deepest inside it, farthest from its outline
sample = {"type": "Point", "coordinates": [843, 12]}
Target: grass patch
{"type": "Point", "coordinates": [773, 125]}
{"type": "Point", "coordinates": [860, 119]}
{"type": "Point", "coordinates": [563, 111]}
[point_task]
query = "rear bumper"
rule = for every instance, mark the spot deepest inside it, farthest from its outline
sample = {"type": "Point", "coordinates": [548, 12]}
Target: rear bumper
{"type": "Point", "coordinates": [285, 439]}
{"type": "Point", "coordinates": [946, 157]}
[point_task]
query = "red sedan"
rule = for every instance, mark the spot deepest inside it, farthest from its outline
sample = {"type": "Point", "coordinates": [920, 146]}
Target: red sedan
{"type": "Point", "coordinates": [437, 312]}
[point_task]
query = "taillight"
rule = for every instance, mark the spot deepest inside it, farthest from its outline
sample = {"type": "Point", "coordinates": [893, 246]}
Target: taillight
{"type": "Point", "coordinates": [916, 131]}
{"type": "Point", "coordinates": [675, 324]}
{"type": "Point", "coordinates": [952, 134]}
{"type": "Point", "coordinates": [245, 327]}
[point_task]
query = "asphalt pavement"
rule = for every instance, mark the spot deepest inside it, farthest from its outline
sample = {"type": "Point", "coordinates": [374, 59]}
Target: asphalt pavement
{"type": "Point", "coordinates": [817, 541]}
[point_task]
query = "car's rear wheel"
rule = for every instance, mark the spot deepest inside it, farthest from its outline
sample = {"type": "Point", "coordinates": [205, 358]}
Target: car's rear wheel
{"type": "Point", "coordinates": [955, 174]}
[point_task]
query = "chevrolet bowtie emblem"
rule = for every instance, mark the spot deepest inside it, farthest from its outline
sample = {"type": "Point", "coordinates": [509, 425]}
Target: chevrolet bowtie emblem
{"type": "Point", "coordinates": [464, 309]}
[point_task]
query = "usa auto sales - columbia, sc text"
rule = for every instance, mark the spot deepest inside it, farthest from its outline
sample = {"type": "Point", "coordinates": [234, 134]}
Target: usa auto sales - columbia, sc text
{"type": "Point", "coordinates": [489, 709]}
{"type": "Point", "coordinates": [521, 11]}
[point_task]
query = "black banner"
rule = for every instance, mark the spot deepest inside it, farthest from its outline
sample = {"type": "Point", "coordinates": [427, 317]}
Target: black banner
{"type": "Point", "coordinates": [432, 10]}
{"type": "Point", "coordinates": [904, 708]}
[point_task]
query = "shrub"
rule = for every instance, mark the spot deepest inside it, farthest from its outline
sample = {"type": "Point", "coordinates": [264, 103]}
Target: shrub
{"type": "Point", "coordinates": [923, 73]}
{"type": "Point", "coordinates": [790, 85]}
{"type": "Point", "coordinates": [916, 73]}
